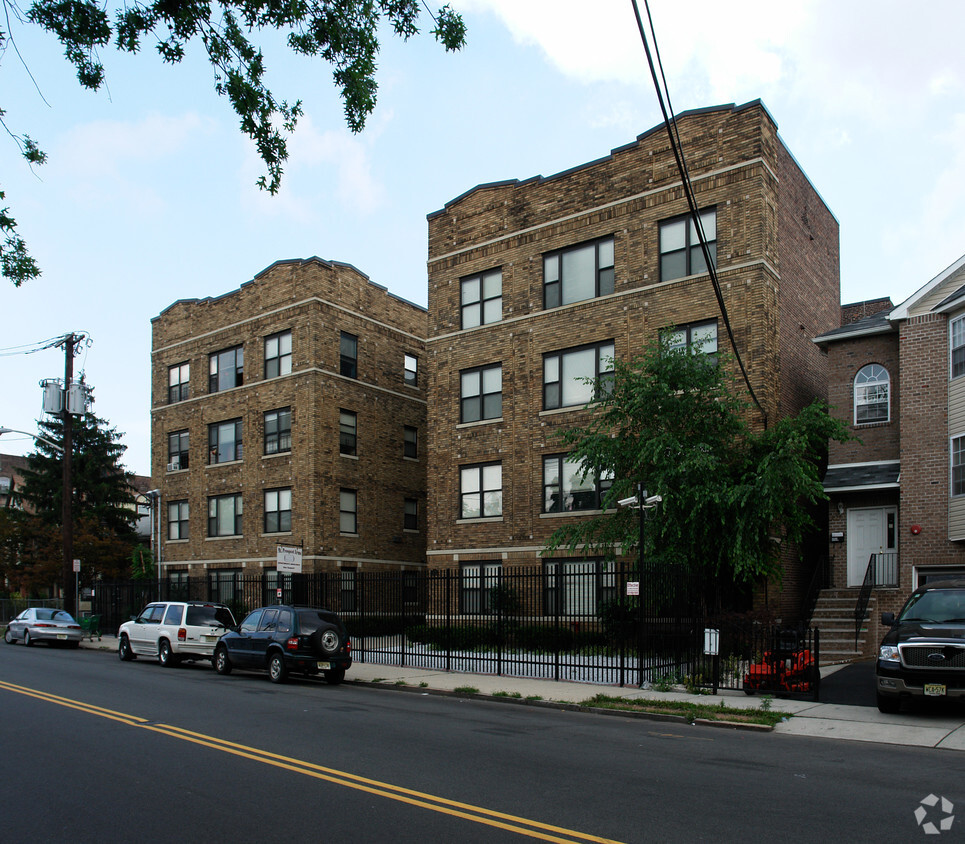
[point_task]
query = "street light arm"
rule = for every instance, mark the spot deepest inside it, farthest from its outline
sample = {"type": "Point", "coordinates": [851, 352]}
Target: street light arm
{"type": "Point", "coordinates": [52, 444]}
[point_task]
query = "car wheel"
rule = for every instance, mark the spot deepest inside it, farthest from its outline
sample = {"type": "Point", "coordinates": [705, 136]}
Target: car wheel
{"type": "Point", "coordinates": [26, 638]}
{"type": "Point", "coordinates": [165, 655]}
{"type": "Point", "coordinates": [889, 704]}
{"type": "Point", "coordinates": [326, 641]}
{"type": "Point", "coordinates": [124, 649]}
{"type": "Point", "coordinates": [221, 662]}
{"type": "Point", "coordinates": [7, 637]}
{"type": "Point", "coordinates": [277, 672]}
{"type": "Point", "coordinates": [335, 676]}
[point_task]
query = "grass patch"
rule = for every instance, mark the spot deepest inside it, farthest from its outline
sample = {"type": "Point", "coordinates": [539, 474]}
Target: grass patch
{"type": "Point", "coordinates": [534, 697]}
{"type": "Point", "coordinates": [507, 694]}
{"type": "Point", "coordinates": [466, 690]}
{"type": "Point", "coordinates": [691, 711]}
{"type": "Point", "coordinates": [400, 682]}
{"type": "Point", "coordinates": [423, 685]}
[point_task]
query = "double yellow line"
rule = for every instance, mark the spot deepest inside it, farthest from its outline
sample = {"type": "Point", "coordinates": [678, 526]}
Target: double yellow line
{"type": "Point", "coordinates": [466, 811]}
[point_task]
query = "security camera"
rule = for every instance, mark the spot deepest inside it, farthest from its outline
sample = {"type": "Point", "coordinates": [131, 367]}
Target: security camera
{"type": "Point", "coordinates": [626, 502]}
{"type": "Point", "coordinates": [653, 499]}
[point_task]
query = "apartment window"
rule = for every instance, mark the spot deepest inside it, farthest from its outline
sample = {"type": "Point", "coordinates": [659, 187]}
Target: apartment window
{"type": "Point", "coordinates": [567, 488]}
{"type": "Point", "coordinates": [481, 299]}
{"type": "Point", "coordinates": [178, 519]}
{"type": "Point", "coordinates": [278, 510]}
{"type": "Point", "coordinates": [278, 354]}
{"type": "Point", "coordinates": [348, 590]}
{"type": "Point", "coordinates": [225, 588]}
{"type": "Point", "coordinates": [348, 512]}
{"type": "Point", "coordinates": [226, 369]}
{"type": "Point", "coordinates": [872, 389]}
{"type": "Point", "coordinates": [958, 346]}
{"type": "Point", "coordinates": [481, 393]}
{"type": "Point", "coordinates": [582, 272]}
{"type": "Point", "coordinates": [411, 370]}
{"type": "Point", "coordinates": [578, 587]}
{"type": "Point", "coordinates": [479, 584]}
{"type": "Point", "coordinates": [224, 441]}
{"type": "Point", "coordinates": [410, 442]}
{"type": "Point", "coordinates": [566, 374]}
{"type": "Point", "coordinates": [179, 382]}
{"type": "Point", "coordinates": [178, 585]}
{"type": "Point", "coordinates": [177, 450]}
{"type": "Point", "coordinates": [680, 252]}
{"type": "Point", "coordinates": [695, 337]}
{"type": "Point", "coordinates": [224, 515]}
{"type": "Point", "coordinates": [348, 433]}
{"type": "Point", "coordinates": [410, 516]}
{"type": "Point", "coordinates": [481, 491]}
{"type": "Point", "coordinates": [348, 350]}
{"type": "Point", "coordinates": [958, 465]}
{"type": "Point", "coordinates": [278, 430]}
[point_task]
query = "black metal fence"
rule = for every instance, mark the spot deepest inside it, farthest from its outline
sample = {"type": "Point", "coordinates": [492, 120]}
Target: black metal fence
{"type": "Point", "coordinates": [586, 621]}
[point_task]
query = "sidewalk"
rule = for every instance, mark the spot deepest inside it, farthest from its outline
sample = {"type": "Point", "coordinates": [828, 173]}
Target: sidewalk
{"type": "Point", "coordinates": [851, 723]}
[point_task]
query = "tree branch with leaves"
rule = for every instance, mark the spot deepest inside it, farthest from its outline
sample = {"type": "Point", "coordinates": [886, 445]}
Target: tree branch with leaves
{"type": "Point", "coordinates": [342, 33]}
{"type": "Point", "coordinates": [675, 422]}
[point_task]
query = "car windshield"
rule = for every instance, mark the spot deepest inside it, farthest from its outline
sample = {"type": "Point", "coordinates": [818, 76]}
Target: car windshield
{"type": "Point", "coordinates": [937, 606]}
{"type": "Point", "coordinates": [45, 615]}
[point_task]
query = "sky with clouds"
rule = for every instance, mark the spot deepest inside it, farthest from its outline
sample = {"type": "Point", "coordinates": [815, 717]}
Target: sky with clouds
{"type": "Point", "coordinates": [149, 193]}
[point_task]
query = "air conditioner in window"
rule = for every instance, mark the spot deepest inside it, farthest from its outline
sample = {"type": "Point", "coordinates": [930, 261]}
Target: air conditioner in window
{"type": "Point", "coordinates": [174, 466]}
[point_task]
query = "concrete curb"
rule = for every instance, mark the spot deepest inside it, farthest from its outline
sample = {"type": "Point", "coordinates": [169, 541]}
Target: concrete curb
{"type": "Point", "coordinates": [565, 707]}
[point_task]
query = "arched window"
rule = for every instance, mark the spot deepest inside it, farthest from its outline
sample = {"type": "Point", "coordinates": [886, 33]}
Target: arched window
{"type": "Point", "coordinates": [872, 394]}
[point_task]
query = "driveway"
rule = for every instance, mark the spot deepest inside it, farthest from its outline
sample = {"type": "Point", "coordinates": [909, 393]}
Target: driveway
{"type": "Point", "coordinates": [852, 685]}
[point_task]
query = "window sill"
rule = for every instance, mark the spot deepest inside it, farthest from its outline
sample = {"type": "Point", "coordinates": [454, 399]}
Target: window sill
{"type": "Point", "coordinates": [566, 513]}
{"type": "Point", "coordinates": [264, 456]}
{"type": "Point", "coordinates": [349, 534]}
{"type": "Point", "coordinates": [176, 542]}
{"type": "Point", "coordinates": [224, 463]}
{"type": "Point", "coordinates": [349, 456]}
{"type": "Point", "coordinates": [177, 471]}
{"type": "Point", "coordinates": [276, 533]}
{"type": "Point", "coordinates": [221, 538]}
{"type": "Point", "coordinates": [479, 422]}
{"type": "Point", "coordinates": [410, 459]}
{"type": "Point", "coordinates": [872, 424]}
{"type": "Point", "coordinates": [411, 530]}
{"type": "Point", "coordinates": [479, 520]}
{"type": "Point", "coordinates": [568, 409]}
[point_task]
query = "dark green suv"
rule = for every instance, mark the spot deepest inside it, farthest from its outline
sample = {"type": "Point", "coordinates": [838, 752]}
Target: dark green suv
{"type": "Point", "coordinates": [280, 639]}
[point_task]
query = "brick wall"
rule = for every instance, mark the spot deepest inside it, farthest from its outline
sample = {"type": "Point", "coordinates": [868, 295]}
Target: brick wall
{"type": "Point", "coordinates": [316, 301]}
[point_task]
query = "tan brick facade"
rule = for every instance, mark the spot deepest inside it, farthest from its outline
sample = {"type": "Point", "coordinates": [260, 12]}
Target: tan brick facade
{"type": "Point", "coordinates": [777, 260]}
{"type": "Point", "coordinates": [315, 301]}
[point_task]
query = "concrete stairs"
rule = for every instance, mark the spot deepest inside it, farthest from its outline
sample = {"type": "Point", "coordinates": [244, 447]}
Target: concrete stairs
{"type": "Point", "coordinates": [834, 617]}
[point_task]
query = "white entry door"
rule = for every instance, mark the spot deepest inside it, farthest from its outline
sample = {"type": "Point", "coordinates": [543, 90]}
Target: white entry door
{"type": "Point", "coordinates": [871, 530]}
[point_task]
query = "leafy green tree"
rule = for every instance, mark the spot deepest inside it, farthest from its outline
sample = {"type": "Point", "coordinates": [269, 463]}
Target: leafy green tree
{"type": "Point", "coordinates": [343, 33]}
{"type": "Point", "coordinates": [674, 422]}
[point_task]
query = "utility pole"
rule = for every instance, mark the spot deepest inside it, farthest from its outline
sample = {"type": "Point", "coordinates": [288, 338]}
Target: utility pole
{"type": "Point", "coordinates": [67, 516]}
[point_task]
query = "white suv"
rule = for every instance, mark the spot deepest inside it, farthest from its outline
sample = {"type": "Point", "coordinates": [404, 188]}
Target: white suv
{"type": "Point", "coordinates": [174, 630]}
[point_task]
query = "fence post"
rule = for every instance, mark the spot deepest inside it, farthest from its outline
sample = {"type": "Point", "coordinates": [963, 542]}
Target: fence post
{"type": "Point", "coordinates": [448, 629]}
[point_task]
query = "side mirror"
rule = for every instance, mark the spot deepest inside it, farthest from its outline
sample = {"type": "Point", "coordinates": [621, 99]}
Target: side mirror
{"type": "Point", "coordinates": [888, 618]}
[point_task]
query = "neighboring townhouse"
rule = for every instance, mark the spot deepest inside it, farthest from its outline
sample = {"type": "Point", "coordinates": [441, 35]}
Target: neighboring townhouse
{"type": "Point", "coordinates": [290, 412]}
{"type": "Point", "coordinates": [535, 285]}
{"type": "Point", "coordinates": [11, 481]}
{"type": "Point", "coordinates": [897, 491]}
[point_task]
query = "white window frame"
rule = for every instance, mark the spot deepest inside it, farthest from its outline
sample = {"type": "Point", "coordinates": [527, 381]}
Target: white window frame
{"type": "Point", "coordinates": [278, 355]}
{"type": "Point", "coordinates": [956, 343]}
{"type": "Point", "coordinates": [872, 376]}
{"type": "Point", "coordinates": [481, 299]}
{"type": "Point", "coordinates": [482, 484]}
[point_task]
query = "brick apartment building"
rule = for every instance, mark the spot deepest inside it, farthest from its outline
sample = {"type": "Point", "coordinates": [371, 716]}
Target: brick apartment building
{"type": "Point", "coordinates": [11, 481]}
{"type": "Point", "coordinates": [897, 378]}
{"type": "Point", "coordinates": [290, 411]}
{"type": "Point", "coordinates": [535, 284]}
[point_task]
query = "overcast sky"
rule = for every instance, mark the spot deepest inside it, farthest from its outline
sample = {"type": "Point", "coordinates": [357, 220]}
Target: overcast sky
{"type": "Point", "coordinates": [149, 195]}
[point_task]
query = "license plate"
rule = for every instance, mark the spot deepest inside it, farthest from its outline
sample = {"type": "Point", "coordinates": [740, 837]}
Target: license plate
{"type": "Point", "coordinates": [61, 635]}
{"type": "Point", "coordinates": [324, 666]}
{"type": "Point", "coordinates": [934, 689]}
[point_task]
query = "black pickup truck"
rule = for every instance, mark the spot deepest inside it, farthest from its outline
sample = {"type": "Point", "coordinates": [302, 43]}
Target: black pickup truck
{"type": "Point", "coordinates": [923, 655]}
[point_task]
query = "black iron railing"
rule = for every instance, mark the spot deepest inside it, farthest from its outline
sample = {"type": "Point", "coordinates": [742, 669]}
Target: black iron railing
{"type": "Point", "coordinates": [864, 596]}
{"type": "Point", "coordinates": [568, 620]}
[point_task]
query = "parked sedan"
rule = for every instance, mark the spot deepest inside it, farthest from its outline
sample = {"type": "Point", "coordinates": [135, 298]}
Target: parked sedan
{"type": "Point", "coordinates": [43, 624]}
{"type": "Point", "coordinates": [280, 639]}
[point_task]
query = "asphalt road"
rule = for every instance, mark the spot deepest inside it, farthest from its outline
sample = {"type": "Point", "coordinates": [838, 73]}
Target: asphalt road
{"type": "Point", "coordinates": [97, 750]}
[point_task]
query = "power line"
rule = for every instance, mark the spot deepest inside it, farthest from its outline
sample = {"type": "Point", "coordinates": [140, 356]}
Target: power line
{"type": "Point", "coordinates": [670, 121]}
